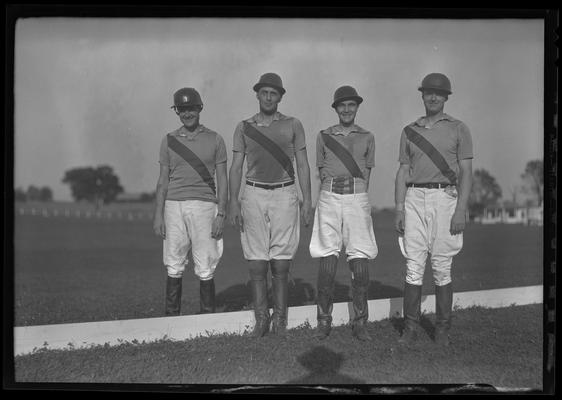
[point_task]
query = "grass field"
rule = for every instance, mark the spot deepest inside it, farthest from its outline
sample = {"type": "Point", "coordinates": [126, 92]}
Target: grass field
{"type": "Point", "coordinates": [498, 347]}
{"type": "Point", "coordinates": [87, 269]}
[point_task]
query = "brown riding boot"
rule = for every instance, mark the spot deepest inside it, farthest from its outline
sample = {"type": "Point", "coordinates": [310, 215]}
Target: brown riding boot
{"type": "Point", "coordinates": [325, 297]}
{"type": "Point", "coordinates": [443, 310]}
{"type": "Point", "coordinates": [258, 282]}
{"type": "Point", "coordinates": [207, 296]}
{"type": "Point", "coordinates": [412, 312]}
{"type": "Point", "coordinates": [173, 296]}
{"type": "Point", "coordinates": [280, 286]}
{"type": "Point", "coordinates": [359, 286]}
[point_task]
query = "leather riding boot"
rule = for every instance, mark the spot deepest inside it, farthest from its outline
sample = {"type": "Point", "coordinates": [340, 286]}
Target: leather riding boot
{"type": "Point", "coordinates": [258, 282]}
{"type": "Point", "coordinates": [443, 309]}
{"type": "Point", "coordinates": [173, 295]}
{"type": "Point", "coordinates": [207, 296]}
{"type": "Point", "coordinates": [412, 312]}
{"type": "Point", "coordinates": [280, 285]}
{"type": "Point", "coordinates": [359, 286]}
{"type": "Point", "coordinates": [325, 297]}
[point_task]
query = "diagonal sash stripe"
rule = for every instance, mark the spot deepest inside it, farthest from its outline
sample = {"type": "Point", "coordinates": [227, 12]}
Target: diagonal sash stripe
{"type": "Point", "coordinates": [433, 154]}
{"type": "Point", "coordinates": [272, 147]}
{"type": "Point", "coordinates": [343, 154]}
{"type": "Point", "coordinates": [191, 158]}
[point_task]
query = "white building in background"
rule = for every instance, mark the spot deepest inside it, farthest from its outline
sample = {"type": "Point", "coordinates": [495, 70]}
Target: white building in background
{"type": "Point", "coordinates": [512, 215]}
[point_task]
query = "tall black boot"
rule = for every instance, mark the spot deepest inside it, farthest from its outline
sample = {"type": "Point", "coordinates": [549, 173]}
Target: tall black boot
{"type": "Point", "coordinates": [359, 286]}
{"type": "Point", "coordinates": [173, 295]}
{"type": "Point", "coordinates": [207, 296]}
{"type": "Point", "coordinates": [258, 282]}
{"type": "Point", "coordinates": [412, 312]}
{"type": "Point", "coordinates": [325, 297]}
{"type": "Point", "coordinates": [443, 310]}
{"type": "Point", "coordinates": [280, 283]}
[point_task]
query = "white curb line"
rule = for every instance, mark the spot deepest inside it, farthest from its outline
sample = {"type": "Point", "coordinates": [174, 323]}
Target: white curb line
{"type": "Point", "coordinates": [80, 335]}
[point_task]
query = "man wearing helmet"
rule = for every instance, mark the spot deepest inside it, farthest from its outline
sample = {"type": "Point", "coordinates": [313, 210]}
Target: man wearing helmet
{"type": "Point", "coordinates": [432, 187]}
{"type": "Point", "coordinates": [345, 155]}
{"type": "Point", "coordinates": [268, 212]}
{"type": "Point", "coordinates": [190, 207]}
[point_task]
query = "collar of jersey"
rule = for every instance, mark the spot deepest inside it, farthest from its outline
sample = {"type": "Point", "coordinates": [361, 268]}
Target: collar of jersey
{"type": "Point", "coordinates": [338, 130]}
{"type": "Point", "coordinates": [421, 121]}
{"type": "Point", "coordinates": [256, 119]}
{"type": "Point", "coordinates": [183, 132]}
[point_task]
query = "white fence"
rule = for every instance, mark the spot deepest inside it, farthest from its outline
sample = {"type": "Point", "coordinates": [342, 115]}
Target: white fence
{"type": "Point", "coordinates": [87, 214]}
{"type": "Point", "coordinates": [81, 335]}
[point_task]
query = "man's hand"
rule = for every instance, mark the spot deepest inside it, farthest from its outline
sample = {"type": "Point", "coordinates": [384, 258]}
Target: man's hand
{"type": "Point", "coordinates": [400, 221]}
{"type": "Point", "coordinates": [217, 227]}
{"type": "Point", "coordinates": [306, 212]}
{"type": "Point", "coordinates": [235, 215]}
{"type": "Point", "coordinates": [458, 222]}
{"type": "Point", "coordinates": [159, 226]}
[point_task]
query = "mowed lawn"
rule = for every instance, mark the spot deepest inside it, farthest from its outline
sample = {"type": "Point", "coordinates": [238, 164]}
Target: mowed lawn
{"type": "Point", "coordinates": [71, 269]}
{"type": "Point", "coordinates": [501, 347]}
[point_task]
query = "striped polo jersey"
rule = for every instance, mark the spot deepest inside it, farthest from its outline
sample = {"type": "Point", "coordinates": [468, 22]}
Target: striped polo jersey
{"type": "Point", "coordinates": [359, 142]}
{"type": "Point", "coordinates": [185, 182]}
{"type": "Point", "coordinates": [450, 137]}
{"type": "Point", "coordinates": [287, 132]}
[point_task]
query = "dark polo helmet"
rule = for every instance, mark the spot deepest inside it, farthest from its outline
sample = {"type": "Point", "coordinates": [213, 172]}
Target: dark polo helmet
{"type": "Point", "coordinates": [344, 93]}
{"type": "Point", "coordinates": [436, 81]}
{"type": "Point", "coordinates": [187, 97]}
{"type": "Point", "coordinates": [270, 79]}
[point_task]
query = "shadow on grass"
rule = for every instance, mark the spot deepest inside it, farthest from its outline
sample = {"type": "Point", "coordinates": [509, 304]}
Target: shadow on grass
{"type": "Point", "coordinates": [323, 365]}
{"type": "Point", "coordinates": [238, 297]}
{"type": "Point", "coordinates": [301, 293]}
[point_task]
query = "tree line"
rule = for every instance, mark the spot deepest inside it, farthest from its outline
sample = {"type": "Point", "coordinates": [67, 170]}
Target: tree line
{"type": "Point", "coordinates": [486, 192]}
{"type": "Point", "coordinates": [100, 185]}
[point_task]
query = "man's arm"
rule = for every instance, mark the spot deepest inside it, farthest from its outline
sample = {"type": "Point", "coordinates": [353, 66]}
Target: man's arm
{"type": "Point", "coordinates": [458, 222]}
{"type": "Point", "coordinates": [368, 177]}
{"type": "Point", "coordinates": [161, 192]}
{"type": "Point", "coordinates": [222, 197]}
{"type": "Point", "coordinates": [235, 177]}
{"type": "Point", "coordinates": [400, 196]}
{"type": "Point", "coordinates": [303, 172]}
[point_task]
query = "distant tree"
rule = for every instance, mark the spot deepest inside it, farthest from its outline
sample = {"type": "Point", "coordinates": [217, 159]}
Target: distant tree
{"type": "Point", "coordinates": [147, 197]}
{"type": "Point", "coordinates": [485, 192]}
{"type": "Point", "coordinates": [33, 193]}
{"type": "Point", "coordinates": [45, 194]}
{"type": "Point", "coordinates": [19, 194]}
{"type": "Point", "coordinates": [97, 185]}
{"type": "Point", "coordinates": [514, 191]}
{"type": "Point", "coordinates": [533, 178]}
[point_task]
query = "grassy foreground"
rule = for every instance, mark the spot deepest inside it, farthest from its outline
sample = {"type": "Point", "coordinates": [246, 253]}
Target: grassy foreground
{"type": "Point", "coordinates": [500, 347]}
{"type": "Point", "coordinates": [78, 270]}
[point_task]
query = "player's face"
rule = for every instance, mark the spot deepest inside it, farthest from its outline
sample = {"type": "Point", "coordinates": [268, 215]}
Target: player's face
{"type": "Point", "coordinates": [189, 116]}
{"type": "Point", "coordinates": [346, 112]}
{"type": "Point", "coordinates": [434, 101]}
{"type": "Point", "coordinates": [269, 99]}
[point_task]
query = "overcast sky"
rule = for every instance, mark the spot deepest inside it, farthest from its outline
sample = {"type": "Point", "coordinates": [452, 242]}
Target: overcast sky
{"type": "Point", "coordinates": [98, 91]}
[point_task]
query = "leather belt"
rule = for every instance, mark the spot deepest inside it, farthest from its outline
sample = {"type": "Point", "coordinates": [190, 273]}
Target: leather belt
{"type": "Point", "coordinates": [269, 187]}
{"type": "Point", "coordinates": [430, 185]}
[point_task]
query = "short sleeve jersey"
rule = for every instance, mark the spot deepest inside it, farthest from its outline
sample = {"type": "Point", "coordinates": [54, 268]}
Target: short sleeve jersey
{"type": "Point", "coordinates": [287, 132]}
{"type": "Point", "coordinates": [185, 183]}
{"type": "Point", "coordinates": [450, 137]}
{"type": "Point", "coordinates": [359, 142]}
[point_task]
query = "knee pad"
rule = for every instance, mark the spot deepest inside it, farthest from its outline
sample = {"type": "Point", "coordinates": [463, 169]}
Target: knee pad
{"type": "Point", "coordinates": [360, 270]}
